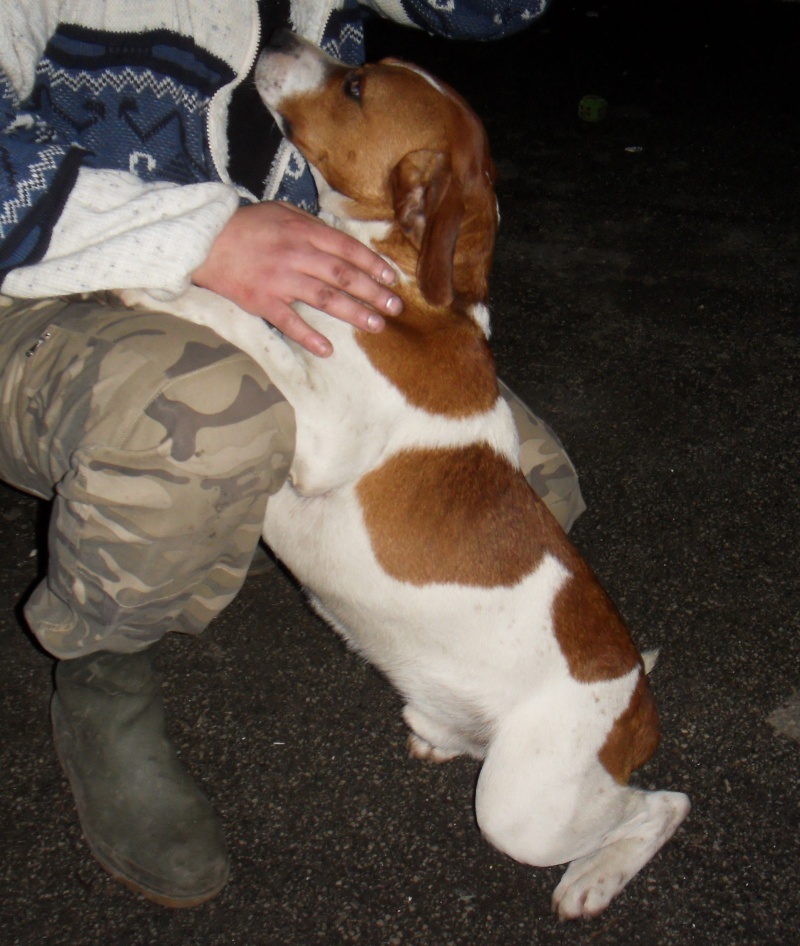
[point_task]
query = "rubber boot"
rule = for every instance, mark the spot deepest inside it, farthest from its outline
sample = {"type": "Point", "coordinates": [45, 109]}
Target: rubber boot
{"type": "Point", "coordinates": [142, 815]}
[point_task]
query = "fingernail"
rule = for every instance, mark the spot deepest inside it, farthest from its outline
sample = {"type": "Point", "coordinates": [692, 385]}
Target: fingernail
{"type": "Point", "coordinates": [388, 276]}
{"type": "Point", "coordinates": [394, 305]}
{"type": "Point", "coordinates": [323, 348]}
{"type": "Point", "coordinates": [375, 323]}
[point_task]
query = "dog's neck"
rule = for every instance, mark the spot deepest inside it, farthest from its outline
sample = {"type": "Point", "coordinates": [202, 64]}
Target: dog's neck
{"type": "Point", "coordinates": [385, 237]}
{"type": "Point", "coordinates": [370, 232]}
{"type": "Point", "coordinates": [437, 356]}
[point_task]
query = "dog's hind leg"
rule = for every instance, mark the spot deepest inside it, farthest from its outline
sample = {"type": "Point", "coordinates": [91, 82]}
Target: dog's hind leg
{"type": "Point", "coordinates": [544, 798]}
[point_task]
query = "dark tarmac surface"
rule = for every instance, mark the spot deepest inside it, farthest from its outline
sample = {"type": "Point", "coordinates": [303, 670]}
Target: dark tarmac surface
{"type": "Point", "coordinates": [645, 302]}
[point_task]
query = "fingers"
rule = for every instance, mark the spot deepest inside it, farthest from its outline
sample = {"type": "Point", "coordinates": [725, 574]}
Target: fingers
{"type": "Point", "coordinates": [348, 280]}
{"type": "Point", "coordinates": [352, 258]}
{"type": "Point", "coordinates": [320, 295]}
{"type": "Point", "coordinates": [279, 312]}
{"type": "Point", "coordinates": [284, 318]}
{"type": "Point", "coordinates": [347, 293]}
{"type": "Point", "coordinates": [272, 255]}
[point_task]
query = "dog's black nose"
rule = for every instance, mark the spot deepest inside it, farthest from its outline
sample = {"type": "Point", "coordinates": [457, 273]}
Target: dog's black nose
{"type": "Point", "coordinates": [283, 39]}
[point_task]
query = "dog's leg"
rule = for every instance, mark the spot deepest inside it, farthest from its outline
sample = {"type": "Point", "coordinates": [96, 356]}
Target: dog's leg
{"type": "Point", "coordinates": [591, 882]}
{"type": "Point", "coordinates": [544, 798]}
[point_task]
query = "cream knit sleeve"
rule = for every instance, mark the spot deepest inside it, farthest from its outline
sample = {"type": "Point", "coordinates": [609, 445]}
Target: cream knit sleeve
{"type": "Point", "coordinates": [118, 232]}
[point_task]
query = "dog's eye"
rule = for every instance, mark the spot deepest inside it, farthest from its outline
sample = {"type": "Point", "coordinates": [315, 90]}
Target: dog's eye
{"type": "Point", "coordinates": [354, 86]}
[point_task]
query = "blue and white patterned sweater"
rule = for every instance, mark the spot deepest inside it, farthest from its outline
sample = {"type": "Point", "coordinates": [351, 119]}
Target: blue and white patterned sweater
{"type": "Point", "coordinates": [113, 118]}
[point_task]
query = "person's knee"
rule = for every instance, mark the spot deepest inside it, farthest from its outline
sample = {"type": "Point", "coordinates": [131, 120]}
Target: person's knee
{"type": "Point", "coordinates": [161, 495]}
{"type": "Point", "coordinates": [138, 381]}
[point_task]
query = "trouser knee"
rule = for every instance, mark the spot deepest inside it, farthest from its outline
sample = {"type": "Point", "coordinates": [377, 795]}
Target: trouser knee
{"type": "Point", "coordinates": [160, 443]}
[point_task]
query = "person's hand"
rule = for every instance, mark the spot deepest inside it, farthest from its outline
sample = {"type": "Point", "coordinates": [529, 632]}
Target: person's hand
{"type": "Point", "coordinates": [270, 255]}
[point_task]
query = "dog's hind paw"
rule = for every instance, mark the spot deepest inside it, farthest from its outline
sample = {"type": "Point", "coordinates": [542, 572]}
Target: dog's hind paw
{"type": "Point", "coordinates": [590, 883]}
{"type": "Point", "coordinates": [583, 894]}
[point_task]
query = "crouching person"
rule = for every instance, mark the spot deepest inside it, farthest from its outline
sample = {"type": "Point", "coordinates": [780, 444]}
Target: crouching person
{"type": "Point", "coordinates": [159, 444]}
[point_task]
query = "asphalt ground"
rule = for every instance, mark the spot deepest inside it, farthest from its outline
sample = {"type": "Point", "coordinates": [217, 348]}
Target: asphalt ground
{"type": "Point", "coordinates": [645, 302]}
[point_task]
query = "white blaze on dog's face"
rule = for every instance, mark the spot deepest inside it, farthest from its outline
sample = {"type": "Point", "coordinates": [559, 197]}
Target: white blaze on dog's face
{"type": "Point", "coordinates": [427, 166]}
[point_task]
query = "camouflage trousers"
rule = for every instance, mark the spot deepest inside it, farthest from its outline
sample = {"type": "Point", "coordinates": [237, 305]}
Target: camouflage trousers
{"type": "Point", "coordinates": [159, 445]}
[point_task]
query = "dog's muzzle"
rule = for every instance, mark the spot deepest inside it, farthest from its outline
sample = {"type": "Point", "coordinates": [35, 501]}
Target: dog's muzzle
{"type": "Point", "coordinates": [288, 66]}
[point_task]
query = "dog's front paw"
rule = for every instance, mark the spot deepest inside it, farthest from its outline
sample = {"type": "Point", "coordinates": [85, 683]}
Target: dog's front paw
{"type": "Point", "coordinates": [428, 737]}
{"type": "Point", "coordinates": [419, 748]}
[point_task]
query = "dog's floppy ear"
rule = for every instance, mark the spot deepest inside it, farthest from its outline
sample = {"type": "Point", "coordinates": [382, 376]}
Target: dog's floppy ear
{"type": "Point", "coordinates": [429, 208]}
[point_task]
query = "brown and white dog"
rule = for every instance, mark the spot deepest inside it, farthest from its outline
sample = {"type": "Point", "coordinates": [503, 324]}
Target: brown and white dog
{"type": "Point", "coordinates": [406, 515]}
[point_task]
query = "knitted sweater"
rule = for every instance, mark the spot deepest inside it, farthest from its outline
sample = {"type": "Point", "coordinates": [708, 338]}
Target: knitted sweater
{"type": "Point", "coordinates": [113, 113]}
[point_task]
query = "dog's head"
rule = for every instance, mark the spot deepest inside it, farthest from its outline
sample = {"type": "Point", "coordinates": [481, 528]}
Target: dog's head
{"type": "Point", "coordinates": [390, 143]}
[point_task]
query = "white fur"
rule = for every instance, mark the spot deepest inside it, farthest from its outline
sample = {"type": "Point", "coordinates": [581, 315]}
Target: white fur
{"type": "Point", "coordinates": [480, 314]}
{"type": "Point", "coordinates": [480, 669]}
{"type": "Point", "coordinates": [424, 75]}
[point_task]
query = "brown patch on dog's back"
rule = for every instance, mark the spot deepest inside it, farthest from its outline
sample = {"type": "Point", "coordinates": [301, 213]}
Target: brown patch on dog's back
{"type": "Point", "coordinates": [461, 515]}
{"type": "Point", "coordinates": [634, 736]}
{"type": "Point", "coordinates": [465, 515]}
{"type": "Point", "coordinates": [438, 359]}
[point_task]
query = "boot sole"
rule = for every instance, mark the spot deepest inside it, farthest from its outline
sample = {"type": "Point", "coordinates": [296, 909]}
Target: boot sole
{"type": "Point", "coordinates": [173, 903]}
